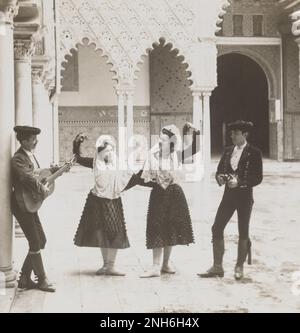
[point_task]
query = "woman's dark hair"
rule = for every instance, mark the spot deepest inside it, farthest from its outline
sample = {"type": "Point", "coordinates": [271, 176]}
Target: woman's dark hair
{"type": "Point", "coordinates": [185, 129]}
{"type": "Point", "coordinates": [167, 132]}
{"type": "Point", "coordinates": [101, 148]}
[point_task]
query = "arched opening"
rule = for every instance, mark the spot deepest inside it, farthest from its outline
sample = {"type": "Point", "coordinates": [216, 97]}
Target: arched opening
{"type": "Point", "coordinates": [88, 101]}
{"type": "Point", "coordinates": [242, 93]}
{"type": "Point", "coordinates": [170, 96]}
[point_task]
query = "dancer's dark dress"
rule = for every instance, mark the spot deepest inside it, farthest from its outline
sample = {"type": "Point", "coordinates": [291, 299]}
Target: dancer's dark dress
{"type": "Point", "coordinates": [168, 219]}
{"type": "Point", "coordinates": [102, 223]}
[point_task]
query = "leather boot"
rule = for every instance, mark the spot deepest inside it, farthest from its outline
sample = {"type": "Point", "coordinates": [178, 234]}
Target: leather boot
{"type": "Point", "coordinates": [38, 268]}
{"type": "Point", "coordinates": [217, 269]}
{"type": "Point", "coordinates": [25, 281]}
{"type": "Point", "coordinates": [244, 250]}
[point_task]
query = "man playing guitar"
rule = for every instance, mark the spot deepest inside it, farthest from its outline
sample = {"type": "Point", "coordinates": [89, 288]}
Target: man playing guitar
{"type": "Point", "coordinates": [24, 165]}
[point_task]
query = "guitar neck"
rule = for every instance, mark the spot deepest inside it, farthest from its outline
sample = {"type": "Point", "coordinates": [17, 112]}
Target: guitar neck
{"type": "Point", "coordinates": [60, 171]}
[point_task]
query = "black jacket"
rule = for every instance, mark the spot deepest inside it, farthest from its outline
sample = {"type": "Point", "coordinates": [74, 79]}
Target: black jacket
{"type": "Point", "coordinates": [250, 168]}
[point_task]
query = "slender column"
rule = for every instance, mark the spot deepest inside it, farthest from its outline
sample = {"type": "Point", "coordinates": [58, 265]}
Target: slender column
{"type": "Point", "coordinates": [42, 118]}
{"type": "Point", "coordinates": [8, 9]}
{"type": "Point", "coordinates": [130, 120]}
{"type": "Point", "coordinates": [197, 109]}
{"type": "Point", "coordinates": [121, 128]}
{"type": "Point", "coordinates": [23, 51]}
{"type": "Point", "coordinates": [23, 87]}
{"type": "Point", "coordinates": [55, 131]}
{"type": "Point", "coordinates": [207, 133]}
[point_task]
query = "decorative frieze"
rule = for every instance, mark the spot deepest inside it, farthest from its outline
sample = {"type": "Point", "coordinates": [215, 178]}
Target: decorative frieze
{"type": "Point", "coordinates": [23, 49]}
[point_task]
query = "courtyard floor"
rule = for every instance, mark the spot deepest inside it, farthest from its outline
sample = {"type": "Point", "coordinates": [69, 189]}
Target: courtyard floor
{"type": "Point", "coordinates": [270, 285]}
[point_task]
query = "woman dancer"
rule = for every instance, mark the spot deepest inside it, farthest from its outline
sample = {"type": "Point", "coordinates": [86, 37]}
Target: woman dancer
{"type": "Point", "coordinates": [168, 220]}
{"type": "Point", "coordinates": [102, 222]}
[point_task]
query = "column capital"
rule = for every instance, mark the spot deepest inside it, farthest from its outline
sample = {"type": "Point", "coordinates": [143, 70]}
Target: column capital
{"type": "Point", "coordinates": [207, 93]}
{"type": "Point", "coordinates": [129, 93]}
{"type": "Point", "coordinates": [120, 92]}
{"type": "Point", "coordinates": [8, 10]}
{"type": "Point", "coordinates": [124, 91]}
{"type": "Point", "coordinates": [296, 23]}
{"type": "Point", "coordinates": [197, 93]}
{"type": "Point", "coordinates": [24, 49]}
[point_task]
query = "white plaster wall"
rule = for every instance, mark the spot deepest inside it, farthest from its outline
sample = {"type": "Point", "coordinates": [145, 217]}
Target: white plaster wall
{"type": "Point", "coordinates": [96, 86]}
{"type": "Point", "coordinates": [142, 85]}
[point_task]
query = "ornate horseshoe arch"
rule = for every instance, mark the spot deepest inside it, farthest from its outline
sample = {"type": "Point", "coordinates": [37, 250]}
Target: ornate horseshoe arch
{"type": "Point", "coordinates": [124, 31]}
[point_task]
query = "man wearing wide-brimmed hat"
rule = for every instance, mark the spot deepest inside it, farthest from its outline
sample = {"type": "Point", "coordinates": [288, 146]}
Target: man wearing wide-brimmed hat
{"type": "Point", "coordinates": [240, 169]}
{"type": "Point", "coordinates": [23, 165]}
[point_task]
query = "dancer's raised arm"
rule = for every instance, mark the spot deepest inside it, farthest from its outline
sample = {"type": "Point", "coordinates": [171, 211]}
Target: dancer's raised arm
{"type": "Point", "coordinates": [194, 147]}
{"type": "Point", "coordinates": [87, 162]}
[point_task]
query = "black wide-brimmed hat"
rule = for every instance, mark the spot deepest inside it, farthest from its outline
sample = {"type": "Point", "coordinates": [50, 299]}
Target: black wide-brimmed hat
{"type": "Point", "coordinates": [27, 130]}
{"type": "Point", "coordinates": [244, 126]}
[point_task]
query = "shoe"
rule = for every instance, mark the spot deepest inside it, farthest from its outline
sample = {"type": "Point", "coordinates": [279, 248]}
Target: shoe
{"type": "Point", "coordinates": [214, 271]}
{"type": "Point", "coordinates": [45, 285]}
{"type": "Point", "coordinates": [154, 271]}
{"type": "Point", "coordinates": [111, 271]}
{"type": "Point", "coordinates": [168, 270]}
{"type": "Point", "coordinates": [244, 251]}
{"type": "Point", "coordinates": [217, 269]}
{"type": "Point", "coordinates": [25, 282]}
{"type": "Point", "coordinates": [38, 269]}
{"type": "Point", "coordinates": [101, 271]}
{"type": "Point", "coordinates": [238, 273]}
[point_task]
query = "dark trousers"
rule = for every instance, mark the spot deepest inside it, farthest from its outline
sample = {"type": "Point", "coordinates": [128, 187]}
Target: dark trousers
{"type": "Point", "coordinates": [240, 200]}
{"type": "Point", "coordinates": [31, 226]}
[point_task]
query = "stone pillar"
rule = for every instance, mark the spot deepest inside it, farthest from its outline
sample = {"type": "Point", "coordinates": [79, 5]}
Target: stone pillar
{"type": "Point", "coordinates": [130, 128]}
{"type": "Point", "coordinates": [42, 118]}
{"type": "Point", "coordinates": [207, 155]}
{"type": "Point", "coordinates": [55, 131]}
{"type": "Point", "coordinates": [206, 133]}
{"type": "Point", "coordinates": [8, 9]}
{"type": "Point", "coordinates": [197, 109]}
{"type": "Point", "coordinates": [23, 87]}
{"type": "Point", "coordinates": [121, 126]}
{"type": "Point", "coordinates": [23, 50]}
{"type": "Point", "coordinates": [130, 120]}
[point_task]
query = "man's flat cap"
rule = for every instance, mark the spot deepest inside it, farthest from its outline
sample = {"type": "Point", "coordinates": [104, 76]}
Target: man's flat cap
{"type": "Point", "coordinates": [241, 125]}
{"type": "Point", "coordinates": [27, 130]}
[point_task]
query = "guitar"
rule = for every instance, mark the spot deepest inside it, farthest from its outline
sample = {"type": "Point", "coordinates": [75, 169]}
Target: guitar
{"type": "Point", "coordinates": [32, 201]}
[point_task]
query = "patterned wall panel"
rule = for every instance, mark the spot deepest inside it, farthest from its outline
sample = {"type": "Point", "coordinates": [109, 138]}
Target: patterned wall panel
{"type": "Point", "coordinates": [249, 8]}
{"type": "Point", "coordinates": [273, 141]}
{"type": "Point", "coordinates": [94, 121]}
{"type": "Point", "coordinates": [291, 99]}
{"type": "Point", "coordinates": [292, 136]}
{"type": "Point", "coordinates": [170, 96]}
{"type": "Point", "coordinates": [291, 78]}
